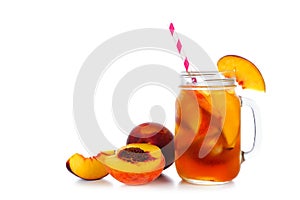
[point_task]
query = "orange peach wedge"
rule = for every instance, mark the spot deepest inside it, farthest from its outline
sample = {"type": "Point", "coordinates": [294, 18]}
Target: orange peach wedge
{"type": "Point", "coordinates": [134, 164]}
{"type": "Point", "coordinates": [86, 168]}
{"type": "Point", "coordinates": [247, 74]}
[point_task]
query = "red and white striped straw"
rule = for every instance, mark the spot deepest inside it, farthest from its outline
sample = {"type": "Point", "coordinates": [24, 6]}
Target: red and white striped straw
{"type": "Point", "coordinates": [180, 50]}
{"type": "Point", "coordinates": [179, 47]}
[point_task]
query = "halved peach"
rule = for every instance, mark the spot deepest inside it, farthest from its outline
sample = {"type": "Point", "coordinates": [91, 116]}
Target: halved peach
{"type": "Point", "coordinates": [134, 164]}
{"type": "Point", "coordinates": [86, 168]}
{"type": "Point", "coordinates": [156, 134]}
{"type": "Point", "coordinates": [247, 74]}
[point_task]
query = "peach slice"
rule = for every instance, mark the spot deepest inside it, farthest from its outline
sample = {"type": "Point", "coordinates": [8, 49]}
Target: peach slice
{"type": "Point", "coordinates": [226, 108]}
{"type": "Point", "coordinates": [233, 110]}
{"type": "Point", "coordinates": [247, 74]}
{"type": "Point", "coordinates": [134, 164]}
{"type": "Point", "coordinates": [188, 112]}
{"type": "Point", "coordinates": [86, 168]}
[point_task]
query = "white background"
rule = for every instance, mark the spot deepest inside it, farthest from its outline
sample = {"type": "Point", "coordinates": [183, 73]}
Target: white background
{"type": "Point", "coordinates": [42, 48]}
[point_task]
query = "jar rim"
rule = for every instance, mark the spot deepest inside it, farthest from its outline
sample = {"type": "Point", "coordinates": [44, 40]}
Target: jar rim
{"type": "Point", "coordinates": [205, 73]}
{"type": "Point", "coordinates": [212, 79]}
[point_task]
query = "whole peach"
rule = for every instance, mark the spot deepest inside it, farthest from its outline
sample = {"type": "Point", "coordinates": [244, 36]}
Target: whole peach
{"type": "Point", "coordinates": [155, 134]}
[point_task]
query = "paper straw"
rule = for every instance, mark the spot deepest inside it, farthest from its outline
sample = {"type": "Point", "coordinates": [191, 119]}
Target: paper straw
{"type": "Point", "coordinates": [180, 49]}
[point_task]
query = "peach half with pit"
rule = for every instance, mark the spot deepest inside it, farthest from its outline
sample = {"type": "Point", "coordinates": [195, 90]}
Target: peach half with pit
{"type": "Point", "coordinates": [86, 168]}
{"type": "Point", "coordinates": [155, 134]}
{"type": "Point", "coordinates": [134, 164]}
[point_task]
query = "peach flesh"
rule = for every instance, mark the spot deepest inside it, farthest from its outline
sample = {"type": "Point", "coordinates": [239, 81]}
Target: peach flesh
{"type": "Point", "coordinates": [134, 164]}
{"type": "Point", "coordinates": [86, 168]}
{"type": "Point", "coordinates": [247, 74]}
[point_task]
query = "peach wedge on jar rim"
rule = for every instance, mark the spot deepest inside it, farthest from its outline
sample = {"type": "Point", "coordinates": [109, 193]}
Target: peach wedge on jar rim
{"type": "Point", "coordinates": [247, 74]}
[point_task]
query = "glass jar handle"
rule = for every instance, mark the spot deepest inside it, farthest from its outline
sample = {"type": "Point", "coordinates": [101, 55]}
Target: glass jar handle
{"type": "Point", "coordinates": [256, 122]}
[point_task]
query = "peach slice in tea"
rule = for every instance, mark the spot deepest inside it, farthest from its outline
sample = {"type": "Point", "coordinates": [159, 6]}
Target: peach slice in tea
{"type": "Point", "coordinates": [231, 126]}
{"type": "Point", "coordinates": [184, 137]}
{"type": "Point", "coordinates": [224, 113]}
{"type": "Point", "coordinates": [187, 110]}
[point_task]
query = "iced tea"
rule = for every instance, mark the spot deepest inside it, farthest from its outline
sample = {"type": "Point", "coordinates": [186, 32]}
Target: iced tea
{"type": "Point", "coordinates": [207, 133]}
